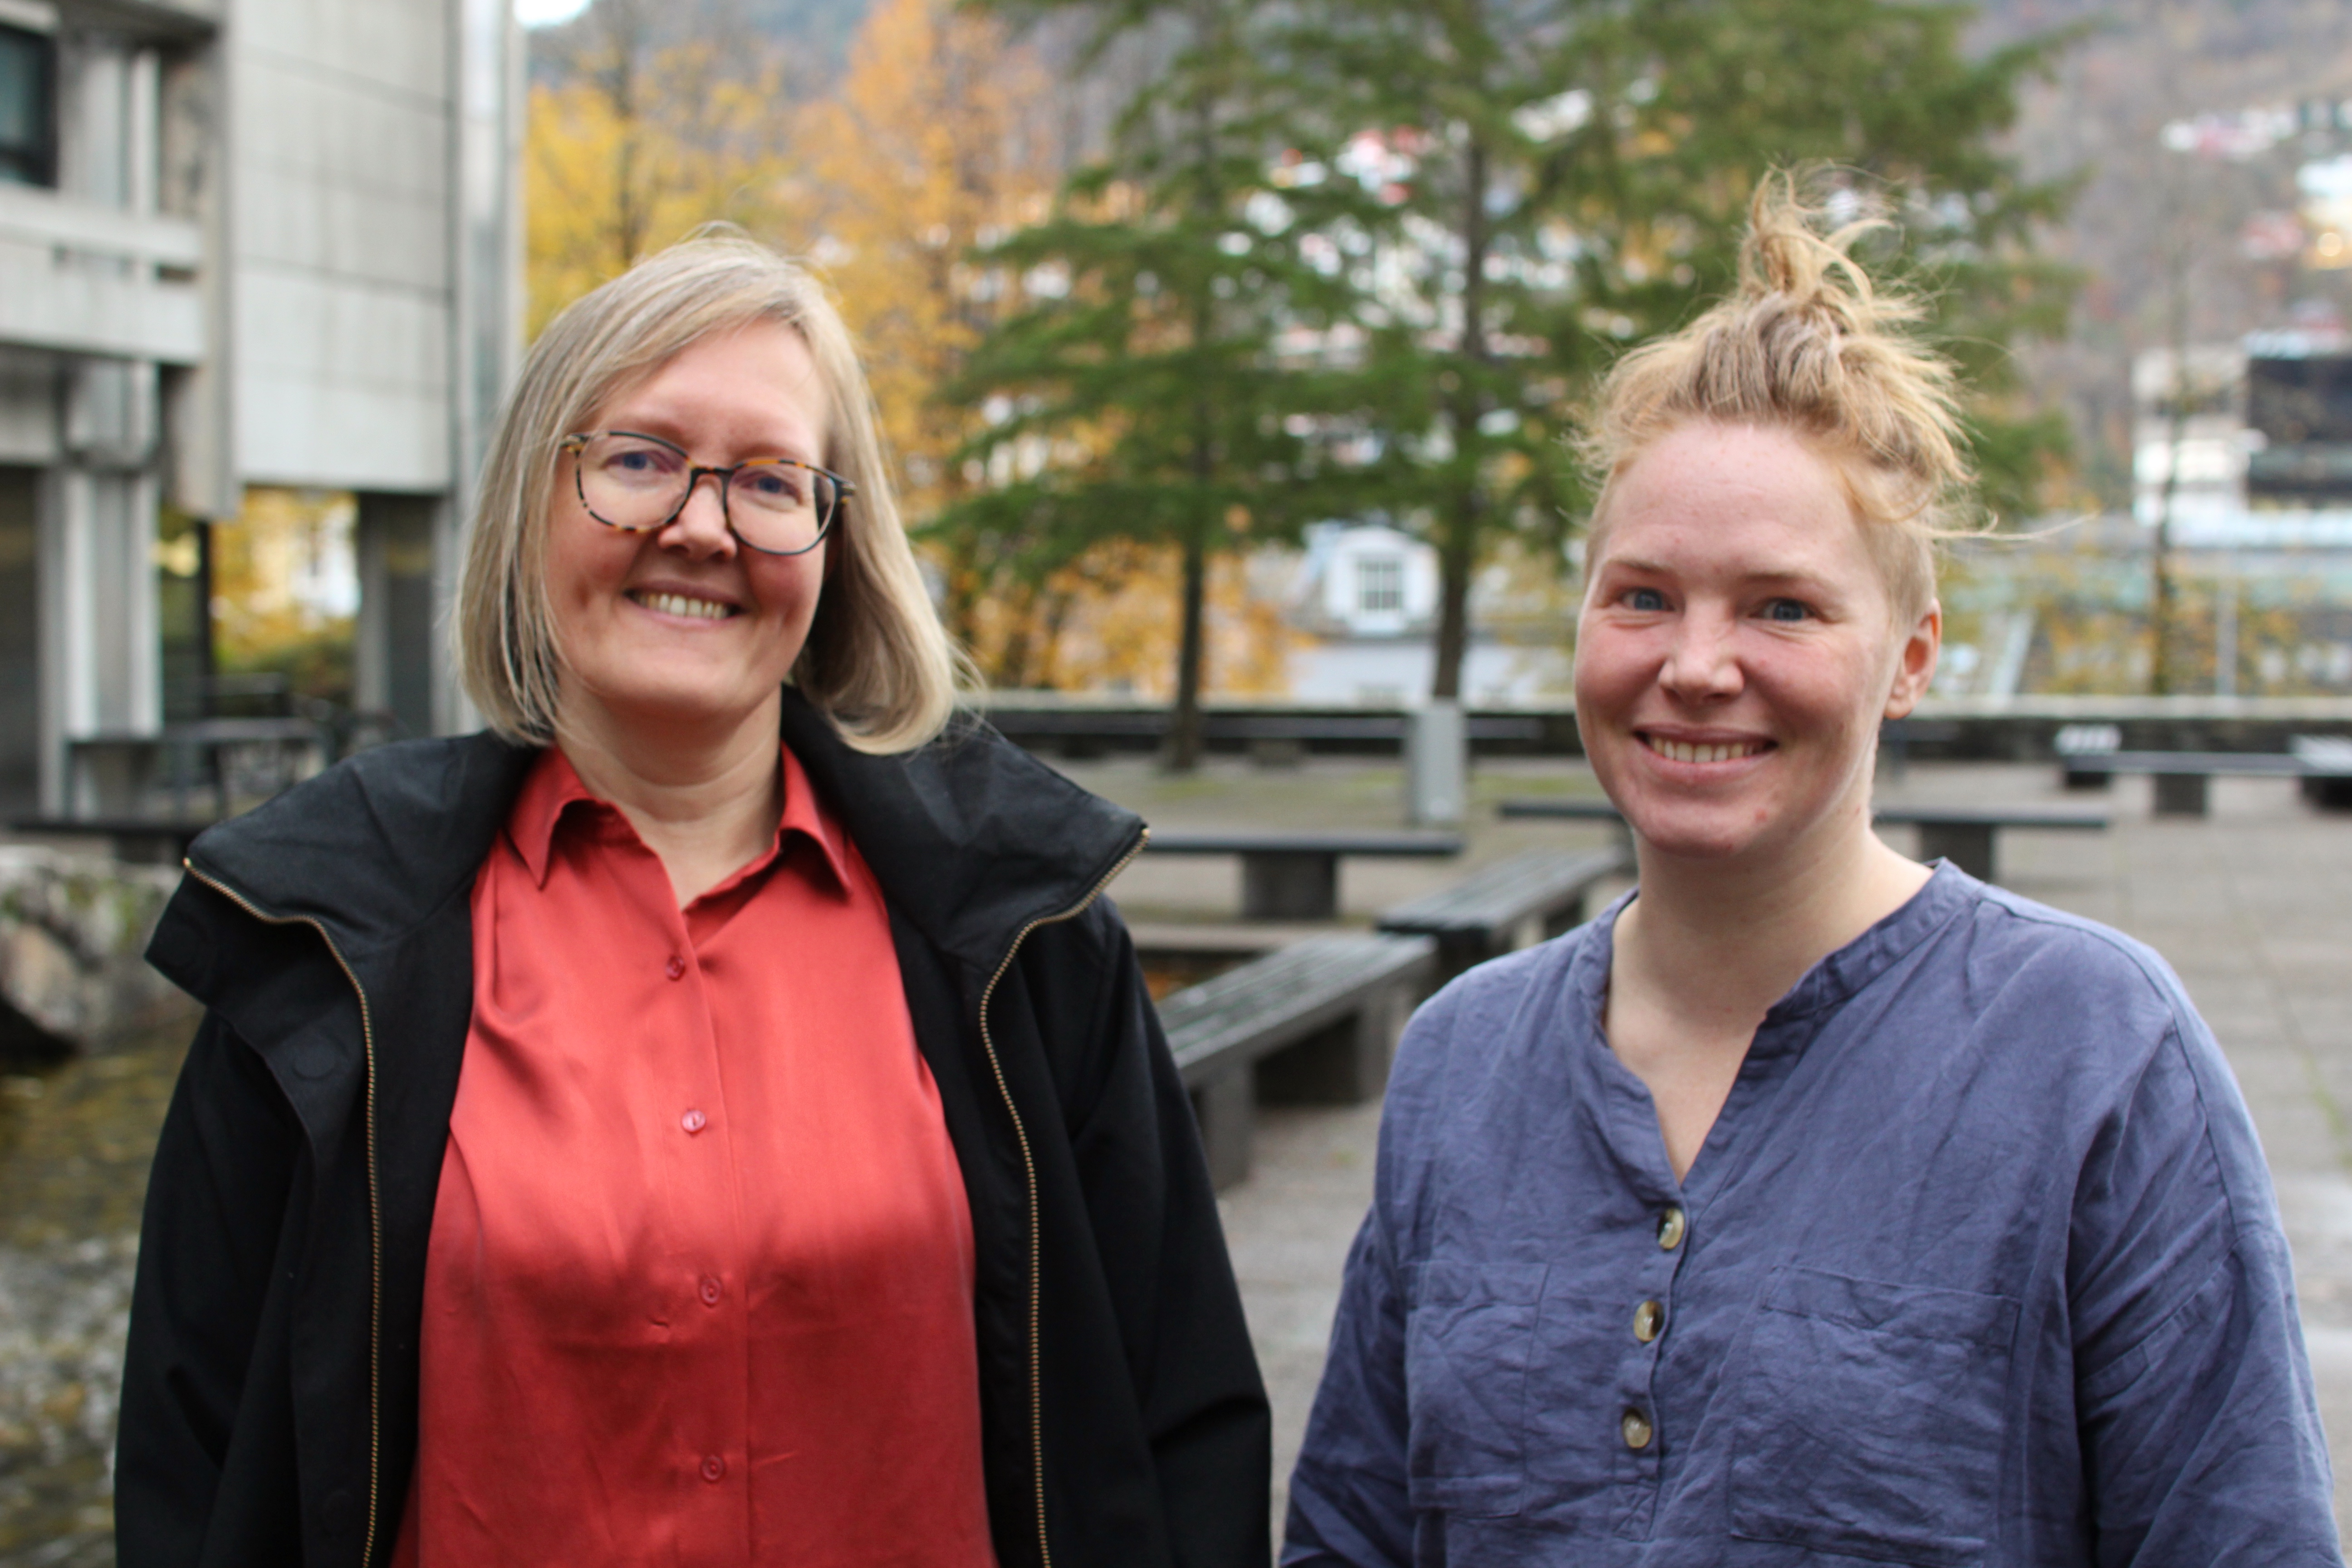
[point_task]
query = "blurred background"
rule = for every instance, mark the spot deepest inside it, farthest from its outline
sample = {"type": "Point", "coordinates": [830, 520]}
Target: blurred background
{"type": "Point", "coordinates": [1232, 357]}
{"type": "Point", "coordinates": [1229, 352]}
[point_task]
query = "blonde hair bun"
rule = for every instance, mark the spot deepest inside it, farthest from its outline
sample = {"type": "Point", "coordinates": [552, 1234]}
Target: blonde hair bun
{"type": "Point", "coordinates": [1809, 343]}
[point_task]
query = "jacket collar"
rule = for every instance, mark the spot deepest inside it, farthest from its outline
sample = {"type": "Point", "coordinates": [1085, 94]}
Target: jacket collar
{"type": "Point", "coordinates": [969, 837]}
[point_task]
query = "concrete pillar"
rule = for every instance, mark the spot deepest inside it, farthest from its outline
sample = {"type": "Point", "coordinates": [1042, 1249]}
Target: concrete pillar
{"type": "Point", "coordinates": [399, 659]}
{"type": "Point", "coordinates": [1437, 762]}
{"type": "Point", "coordinates": [489, 274]}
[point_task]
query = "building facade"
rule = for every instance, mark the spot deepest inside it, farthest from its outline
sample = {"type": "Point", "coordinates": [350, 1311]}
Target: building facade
{"type": "Point", "coordinates": [242, 242]}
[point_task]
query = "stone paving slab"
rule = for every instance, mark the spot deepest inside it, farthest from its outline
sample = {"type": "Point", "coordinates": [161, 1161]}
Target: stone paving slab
{"type": "Point", "coordinates": [2252, 907]}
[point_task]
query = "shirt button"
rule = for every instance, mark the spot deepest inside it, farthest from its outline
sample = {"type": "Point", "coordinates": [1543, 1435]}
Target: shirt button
{"type": "Point", "coordinates": [714, 1469]}
{"type": "Point", "coordinates": [1635, 1428]}
{"type": "Point", "coordinates": [675, 968]}
{"type": "Point", "coordinates": [1649, 1319]}
{"type": "Point", "coordinates": [694, 1121]}
{"type": "Point", "coordinates": [711, 1292]}
{"type": "Point", "coordinates": [1671, 1225]}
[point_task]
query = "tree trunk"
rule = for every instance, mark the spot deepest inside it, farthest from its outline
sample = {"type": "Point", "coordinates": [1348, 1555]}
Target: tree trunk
{"type": "Point", "coordinates": [1183, 753]}
{"type": "Point", "coordinates": [1457, 549]}
{"type": "Point", "coordinates": [1456, 558]}
{"type": "Point", "coordinates": [1184, 750]}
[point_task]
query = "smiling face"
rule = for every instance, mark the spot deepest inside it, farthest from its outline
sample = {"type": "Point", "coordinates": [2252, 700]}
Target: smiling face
{"type": "Point", "coordinates": [683, 626]}
{"type": "Point", "coordinates": [1739, 647]}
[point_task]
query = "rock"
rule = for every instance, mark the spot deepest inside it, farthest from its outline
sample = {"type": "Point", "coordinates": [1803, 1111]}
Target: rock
{"type": "Point", "coordinates": [72, 929]}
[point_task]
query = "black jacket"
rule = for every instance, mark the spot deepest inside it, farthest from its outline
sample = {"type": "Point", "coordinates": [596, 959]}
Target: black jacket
{"type": "Point", "coordinates": [269, 1392]}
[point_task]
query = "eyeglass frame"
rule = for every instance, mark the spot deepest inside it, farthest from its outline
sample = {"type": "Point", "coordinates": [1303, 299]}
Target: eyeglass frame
{"type": "Point", "coordinates": [574, 443]}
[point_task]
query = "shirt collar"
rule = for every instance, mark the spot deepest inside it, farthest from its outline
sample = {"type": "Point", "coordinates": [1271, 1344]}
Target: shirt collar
{"type": "Point", "coordinates": [555, 787]}
{"type": "Point", "coordinates": [1823, 987]}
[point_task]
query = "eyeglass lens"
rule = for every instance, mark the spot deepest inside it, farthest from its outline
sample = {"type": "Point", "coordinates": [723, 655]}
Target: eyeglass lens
{"type": "Point", "coordinates": [632, 482]}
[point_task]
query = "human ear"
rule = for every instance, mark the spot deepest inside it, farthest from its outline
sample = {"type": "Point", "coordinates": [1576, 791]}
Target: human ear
{"type": "Point", "coordinates": [1916, 662]}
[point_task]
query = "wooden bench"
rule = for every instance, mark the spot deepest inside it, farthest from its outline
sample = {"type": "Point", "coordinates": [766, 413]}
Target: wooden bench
{"type": "Point", "coordinates": [1082, 734]}
{"type": "Point", "coordinates": [118, 774]}
{"type": "Point", "coordinates": [2184, 779]}
{"type": "Point", "coordinates": [1295, 876]}
{"type": "Point", "coordinates": [1314, 1023]}
{"type": "Point", "coordinates": [1964, 835]}
{"type": "Point", "coordinates": [1511, 904]}
{"type": "Point", "coordinates": [2081, 750]}
{"type": "Point", "coordinates": [2328, 761]}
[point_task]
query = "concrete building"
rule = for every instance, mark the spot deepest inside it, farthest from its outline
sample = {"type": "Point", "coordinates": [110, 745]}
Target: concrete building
{"type": "Point", "coordinates": [242, 242]}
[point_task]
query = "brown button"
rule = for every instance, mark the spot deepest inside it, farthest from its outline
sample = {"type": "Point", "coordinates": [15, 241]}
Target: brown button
{"type": "Point", "coordinates": [1635, 1426]}
{"type": "Point", "coordinates": [1649, 1317]}
{"type": "Point", "coordinates": [1671, 1225]}
{"type": "Point", "coordinates": [711, 1292]}
{"type": "Point", "coordinates": [714, 1469]}
{"type": "Point", "coordinates": [694, 1121]}
{"type": "Point", "coordinates": [675, 968]}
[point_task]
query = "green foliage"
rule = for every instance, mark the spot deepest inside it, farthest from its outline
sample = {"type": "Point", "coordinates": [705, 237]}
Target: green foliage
{"type": "Point", "coordinates": [1377, 254]}
{"type": "Point", "coordinates": [1576, 178]}
{"type": "Point", "coordinates": [1140, 394]}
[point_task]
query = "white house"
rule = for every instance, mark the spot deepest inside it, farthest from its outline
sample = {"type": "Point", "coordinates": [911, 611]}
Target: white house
{"type": "Point", "coordinates": [241, 242]}
{"type": "Point", "coordinates": [1365, 598]}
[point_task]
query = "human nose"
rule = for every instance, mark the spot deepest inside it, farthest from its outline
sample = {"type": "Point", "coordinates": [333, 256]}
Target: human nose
{"type": "Point", "coordinates": [700, 528]}
{"type": "Point", "coordinates": [1702, 662]}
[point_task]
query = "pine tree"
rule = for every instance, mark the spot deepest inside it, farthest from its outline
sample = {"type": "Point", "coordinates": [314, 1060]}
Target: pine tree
{"type": "Point", "coordinates": [1142, 393]}
{"type": "Point", "coordinates": [1552, 182]}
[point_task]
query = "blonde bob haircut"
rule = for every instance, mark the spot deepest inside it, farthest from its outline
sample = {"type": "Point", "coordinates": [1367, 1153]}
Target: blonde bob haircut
{"type": "Point", "coordinates": [876, 661]}
{"type": "Point", "coordinates": [1806, 343]}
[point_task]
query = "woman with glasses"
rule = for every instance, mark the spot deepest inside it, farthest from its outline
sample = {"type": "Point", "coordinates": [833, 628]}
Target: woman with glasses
{"type": "Point", "coordinates": [713, 1116]}
{"type": "Point", "coordinates": [1811, 1206]}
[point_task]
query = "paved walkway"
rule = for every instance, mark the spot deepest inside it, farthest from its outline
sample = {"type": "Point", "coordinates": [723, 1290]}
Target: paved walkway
{"type": "Point", "coordinates": [2252, 907]}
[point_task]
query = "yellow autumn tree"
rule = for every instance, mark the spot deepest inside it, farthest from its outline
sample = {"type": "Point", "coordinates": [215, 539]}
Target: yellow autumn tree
{"type": "Point", "coordinates": [649, 128]}
{"type": "Point", "coordinates": [936, 142]}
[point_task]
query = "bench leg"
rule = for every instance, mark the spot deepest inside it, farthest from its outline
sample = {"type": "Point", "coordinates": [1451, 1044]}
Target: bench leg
{"type": "Point", "coordinates": [1967, 845]}
{"type": "Point", "coordinates": [1226, 1108]}
{"type": "Point", "coordinates": [2181, 795]}
{"type": "Point", "coordinates": [1345, 1064]}
{"type": "Point", "coordinates": [2329, 792]}
{"type": "Point", "coordinates": [1290, 887]}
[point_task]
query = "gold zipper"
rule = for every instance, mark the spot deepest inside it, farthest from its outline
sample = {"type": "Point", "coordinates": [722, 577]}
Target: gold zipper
{"type": "Point", "coordinates": [375, 1203]}
{"type": "Point", "coordinates": [1029, 1169]}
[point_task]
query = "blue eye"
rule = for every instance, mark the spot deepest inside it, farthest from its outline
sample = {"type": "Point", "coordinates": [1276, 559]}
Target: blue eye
{"type": "Point", "coordinates": [1644, 599]}
{"type": "Point", "coordinates": [1787, 610]}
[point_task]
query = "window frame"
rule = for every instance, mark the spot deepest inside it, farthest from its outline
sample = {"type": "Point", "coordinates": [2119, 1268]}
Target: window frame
{"type": "Point", "coordinates": [1385, 574]}
{"type": "Point", "coordinates": [35, 164]}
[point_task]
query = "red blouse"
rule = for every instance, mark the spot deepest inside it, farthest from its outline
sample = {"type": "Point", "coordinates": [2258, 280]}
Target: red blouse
{"type": "Point", "coordinates": [699, 1287]}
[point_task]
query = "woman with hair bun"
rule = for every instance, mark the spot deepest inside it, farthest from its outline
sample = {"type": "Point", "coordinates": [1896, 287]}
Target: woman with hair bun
{"type": "Point", "coordinates": [1810, 1205]}
{"type": "Point", "coordinates": [711, 1118]}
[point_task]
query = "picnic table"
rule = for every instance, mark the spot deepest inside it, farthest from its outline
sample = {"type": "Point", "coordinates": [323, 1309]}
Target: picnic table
{"type": "Point", "coordinates": [1315, 1021]}
{"type": "Point", "coordinates": [2327, 763]}
{"type": "Point", "coordinates": [2183, 779]}
{"type": "Point", "coordinates": [1294, 875]}
{"type": "Point", "coordinates": [1964, 835]}
{"type": "Point", "coordinates": [1511, 904]}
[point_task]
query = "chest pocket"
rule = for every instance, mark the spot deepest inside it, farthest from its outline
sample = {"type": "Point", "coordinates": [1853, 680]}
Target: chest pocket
{"type": "Point", "coordinates": [1469, 1332]}
{"type": "Point", "coordinates": [1867, 1418]}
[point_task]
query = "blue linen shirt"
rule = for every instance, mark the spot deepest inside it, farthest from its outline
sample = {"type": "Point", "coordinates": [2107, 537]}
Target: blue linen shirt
{"type": "Point", "coordinates": [1979, 1263]}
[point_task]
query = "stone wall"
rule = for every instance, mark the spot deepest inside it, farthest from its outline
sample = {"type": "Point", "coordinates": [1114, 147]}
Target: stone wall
{"type": "Point", "coordinates": [72, 929]}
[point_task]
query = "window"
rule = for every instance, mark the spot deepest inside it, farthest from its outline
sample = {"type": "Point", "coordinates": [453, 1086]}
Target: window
{"type": "Point", "coordinates": [1379, 585]}
{"type": "Point", "coordinates": [27, 77]}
